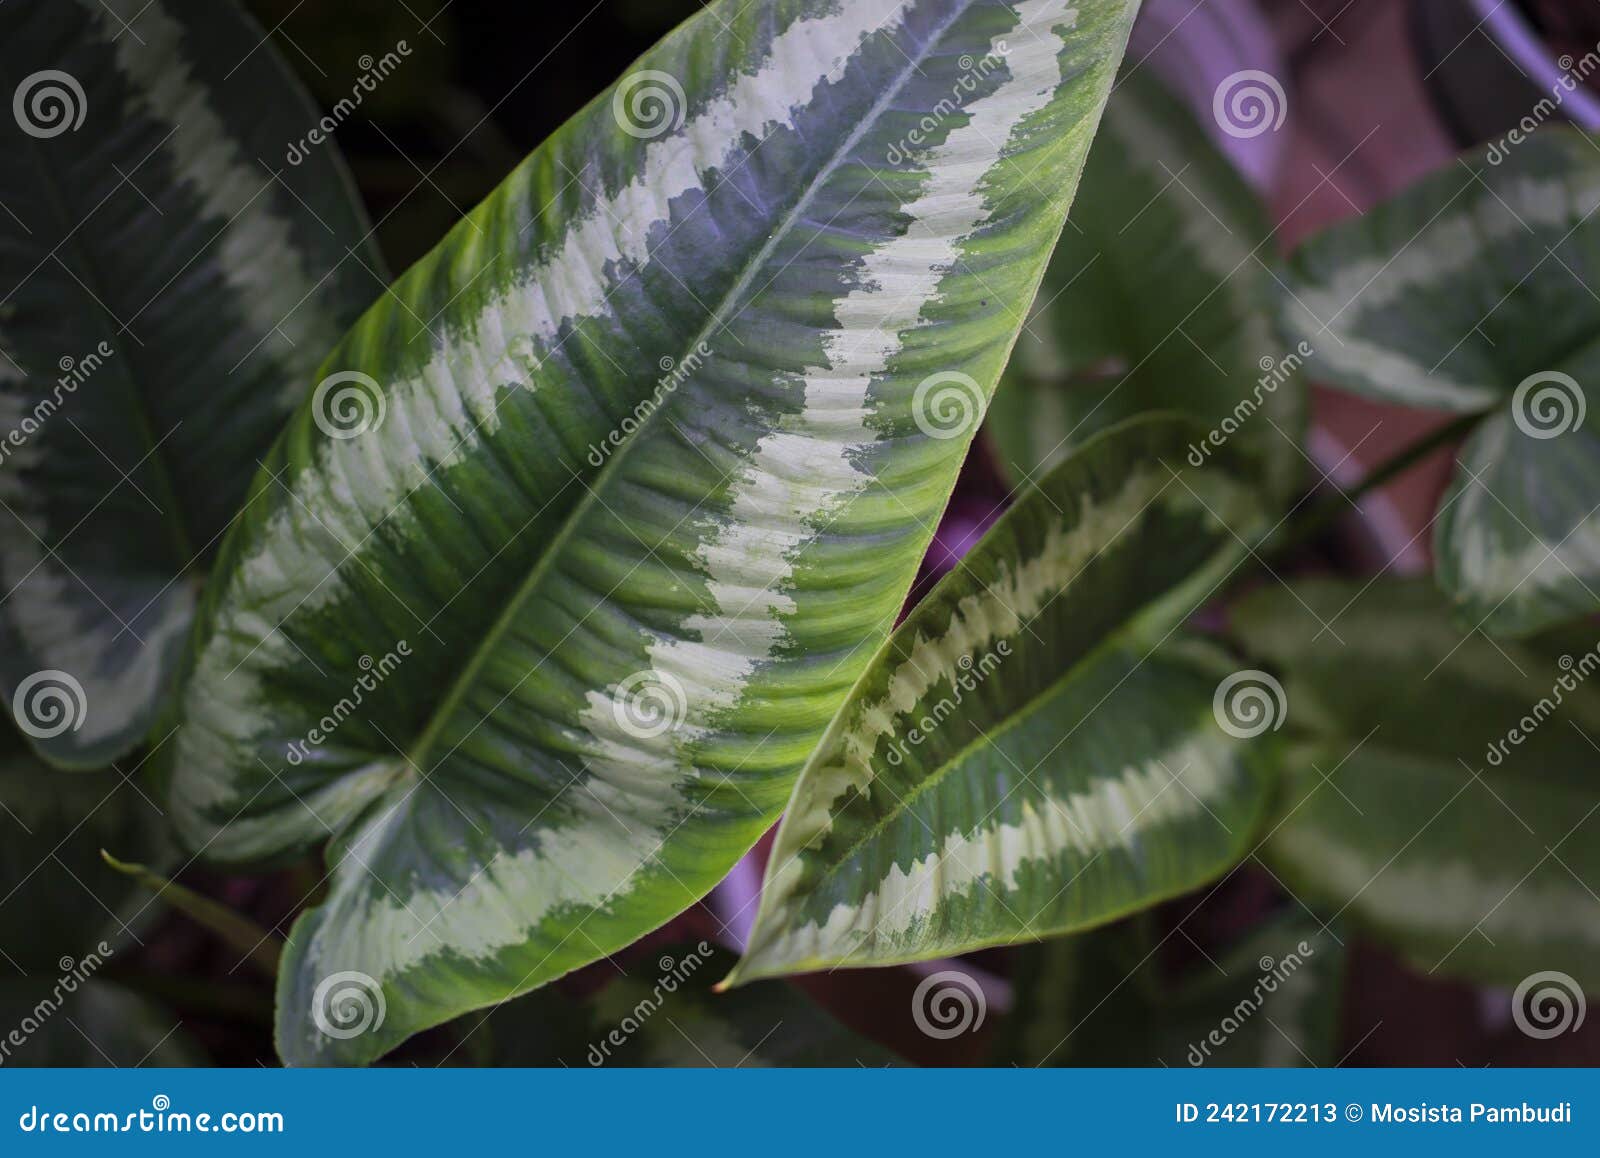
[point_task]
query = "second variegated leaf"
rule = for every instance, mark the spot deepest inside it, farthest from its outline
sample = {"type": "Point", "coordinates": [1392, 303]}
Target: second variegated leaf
{"type": "Point", "coordinates": [1034, 751]}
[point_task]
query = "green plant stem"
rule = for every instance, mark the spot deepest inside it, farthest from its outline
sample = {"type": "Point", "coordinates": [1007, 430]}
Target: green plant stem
{"type": "Point", "coordinates": [1323, 512]}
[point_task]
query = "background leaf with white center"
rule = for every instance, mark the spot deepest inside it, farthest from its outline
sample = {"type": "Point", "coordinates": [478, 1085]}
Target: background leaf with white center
{"type": "Point", "coordinates": [543, 649]}
{"type": "Point", "coordinates": [1475, 292]}
{"type": "Point", "coordinates": [1451, 808]}
{"type": "Point", "coordinates": [1157, 298]}
{"type": "Point", "coordinates": [167, 289]}
{"type": "Point", "coordinates": [663, 1013]}
{"type": "Point", "coordinates": [1106, 999]}
{"type": "Point", "coordinates": [1031, 753]}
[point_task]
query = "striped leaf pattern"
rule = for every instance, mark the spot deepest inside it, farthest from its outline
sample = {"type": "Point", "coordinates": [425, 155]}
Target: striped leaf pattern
{"type": "Point", "coordinates": [1470, 293]}
{"type": "Point", "coordinates": [1450, 808]}
{"type": "Point", "coordinates": [1157, 298]}
{"type": "Point", "coordinates": [1031, 753]}
{"type": "Point", "coordinates": [167, 289]}
{"type": "Point", "coordinates": [653, 444]}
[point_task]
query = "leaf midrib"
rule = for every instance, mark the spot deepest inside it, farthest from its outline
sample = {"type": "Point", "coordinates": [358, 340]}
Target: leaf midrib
{"type": "Point", "coordinates": [723, 310]}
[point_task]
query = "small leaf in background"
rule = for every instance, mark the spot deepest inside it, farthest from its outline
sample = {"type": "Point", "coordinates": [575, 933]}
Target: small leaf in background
{"type": "Point", "coordinates": [663, 1013]}
{"type": "Point", "coordinates": [632, 473]}
{"type": "Point", "coordinates": [1467, 293]}
{"type": "Point", "coordinates": [168, 286]}
{"type": "Point", "coordinates": [1102, 999]}
{"type": "Point", "coordinates": [1451, 806]}
{"type": "Point", "coordinates": [1032, 752]}
{"type": "Point", "coordinates": [1157, 298]}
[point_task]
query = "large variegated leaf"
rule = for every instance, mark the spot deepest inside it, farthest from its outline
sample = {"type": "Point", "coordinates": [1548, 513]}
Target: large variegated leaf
{"type": "Point", "coordinates": [655, 440]}
{"type": "Point", "coordinates": [1157, 298]}
{"type": "Point", "coordinates": [1469, 293]}
{"type": "Point", "coordinates": [1451, 806]}
{"type": "Point", "coordinates": [1030, 754]}
{"type": "Point", "coordinates": [167, 288]}
{"type": "Point", "coordinates": [662, 1013]}
{"type": "Point", "coordinates": [1103, 1000]}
